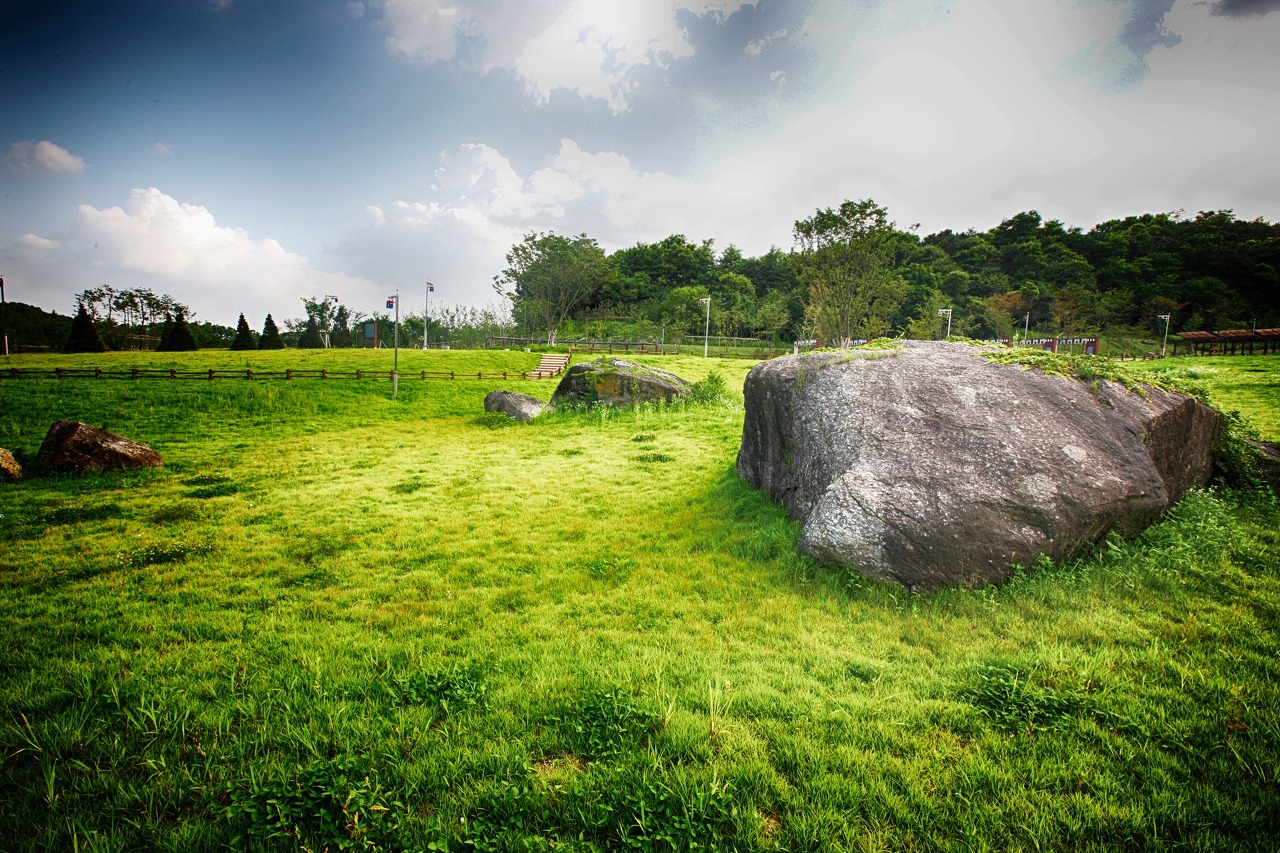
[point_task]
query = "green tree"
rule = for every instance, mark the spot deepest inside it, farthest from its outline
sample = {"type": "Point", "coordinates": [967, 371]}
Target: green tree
{"type": "Point", "coordinates": [84, 334]}
{"type": "Point", "coordinates": [340, 334]}
{"type": "Point", "coordinates": [244, 336]}
{"type": "Point", "coordinates": [845, 258]}
{"type": "Point", "coordinates": [310, 338]}
{"type": "Point", "coordinates": [270, 338]}
{"type": "Point", "coordinates": [179, 337]}
{"type": "Point", "coordinates": [549, 276]}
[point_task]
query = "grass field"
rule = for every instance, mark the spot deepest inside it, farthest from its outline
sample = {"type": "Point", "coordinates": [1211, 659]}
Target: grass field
{"type": "Point", "coordinates": [338, 621]}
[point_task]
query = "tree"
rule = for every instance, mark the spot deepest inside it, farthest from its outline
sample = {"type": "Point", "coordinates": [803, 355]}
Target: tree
{"type": "Point", "coordinates": [244, 336]}
{"type": "Point", "coordinates": [310, 338]}
{"type": "Point", "coordinates": [165, 331]}
{"type": "Point", "coordinates": [548, 276]}
{"type": "Point", "coordinates": [84, 334]}
{"type": "Point", "coordinates": [340, 334]}
{"type": "Point", "coordinates": [845, 258]}
{"type": "Point", "coordinates": [270, 335]}
{"type": "Point", "coordinates": [178, 337]}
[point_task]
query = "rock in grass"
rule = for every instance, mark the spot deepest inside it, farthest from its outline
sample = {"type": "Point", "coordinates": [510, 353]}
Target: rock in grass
{"type": "Point", "coordinates": [518, 407]}
{"type": "Point", "coordinates": [618, 383]}
{"type": "Point", "coordinates": [931, 466]}
{"type": "Point", "coordinates": [9, 467]}
{"type": "Point", "coordinates": [75, 446]}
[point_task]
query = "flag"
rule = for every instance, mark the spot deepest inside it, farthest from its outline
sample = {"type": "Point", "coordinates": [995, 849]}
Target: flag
{"type": "Point", "coordinates": [391, 303]}
{"type": "Point", "coordinates": [431, 288]}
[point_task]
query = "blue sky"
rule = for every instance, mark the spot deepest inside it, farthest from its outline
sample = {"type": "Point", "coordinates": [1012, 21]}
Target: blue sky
{"type": "Point", "coordinates": [243, 154]}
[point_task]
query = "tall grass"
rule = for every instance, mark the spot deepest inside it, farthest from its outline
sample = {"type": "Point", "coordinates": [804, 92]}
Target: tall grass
{"type": "Point", "coordinates": [337, 620]}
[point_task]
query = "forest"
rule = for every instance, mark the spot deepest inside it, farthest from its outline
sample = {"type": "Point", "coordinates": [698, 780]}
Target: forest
{"type": "Point", "coordinates": [851, 273]}
{"type": "Point", "coordinates": [1212, 271]}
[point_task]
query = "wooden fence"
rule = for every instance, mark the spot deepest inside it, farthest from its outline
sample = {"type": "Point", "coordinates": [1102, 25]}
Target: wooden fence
{"type": "Point", "coordinates": [210, 375]}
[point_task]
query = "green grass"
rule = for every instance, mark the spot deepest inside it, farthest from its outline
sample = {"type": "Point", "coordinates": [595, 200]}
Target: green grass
{"type": "Point", "coordinates": [341, 620]}
{"type": "Point", "coordinates": [1249, 384]}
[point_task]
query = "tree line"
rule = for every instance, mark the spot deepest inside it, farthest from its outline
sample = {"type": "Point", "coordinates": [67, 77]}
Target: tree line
{"type": "Point", "coordinates": [852, 273]}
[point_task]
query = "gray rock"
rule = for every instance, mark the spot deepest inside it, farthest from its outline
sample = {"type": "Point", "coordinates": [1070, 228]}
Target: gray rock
{"type": "Point", "coordinates": [619, 383]}
{"type": "Point", "coordinates": [931, 466]}
{"type": "Point", "coordinates": [75, 446]}
{"type": "Point", "coordinates": [9, 467]}
{"type": "Point", "coordinates": [518, 407]}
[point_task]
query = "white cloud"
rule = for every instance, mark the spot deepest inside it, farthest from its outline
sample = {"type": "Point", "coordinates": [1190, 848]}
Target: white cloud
{"type": "Point", "coordinates": [38, 243]}
{"type": "Point", "coordinates": [155, 241]}
{"type": "Point", "coordinates": [27, 158]}
{"type": "Point", "coordinates": [161, 149]}
{"type": "Point", "coordinates": [588, 47]}
{"type": "Point", "coordinates": [756, 48]}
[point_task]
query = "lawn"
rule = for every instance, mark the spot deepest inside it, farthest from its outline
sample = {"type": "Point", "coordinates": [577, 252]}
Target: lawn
{"type": "Point", "coordinates": [342, 621]}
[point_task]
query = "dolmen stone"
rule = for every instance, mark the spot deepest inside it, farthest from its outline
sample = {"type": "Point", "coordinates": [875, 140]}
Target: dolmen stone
{"type": "Point", "coordinates": [619, 383]}
{"type": "Point", "coordinates": [518, 407]}
{"type": "Point", "coordinates": [9, 467]}
{"type": "Point", "coordinates": [79, 447]}
{"type": "Point", "coordinates": [931, 466]}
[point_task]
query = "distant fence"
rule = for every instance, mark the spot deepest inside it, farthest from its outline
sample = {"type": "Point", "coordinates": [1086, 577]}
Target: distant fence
{"type": "Point", "coordinates": [210, 375]}
{"type": "Point", "coordinates": [722, 347]}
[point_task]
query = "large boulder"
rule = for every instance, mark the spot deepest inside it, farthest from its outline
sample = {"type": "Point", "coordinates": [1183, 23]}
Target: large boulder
{"type": "Point", "coordinates": [9, 467]}
{"type": "Point", "coordinates": [74, 446]}
{"type": "Point", "coordinates": [931, 466]}
{"type": "Point", "coordinates": [618, 383]}
{"type": "Point", "coordinates": [518, 407]}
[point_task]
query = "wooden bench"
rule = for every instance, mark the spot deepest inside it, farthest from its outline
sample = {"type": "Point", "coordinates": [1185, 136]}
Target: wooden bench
{"type": "Point", "coordinates": [549, 365]}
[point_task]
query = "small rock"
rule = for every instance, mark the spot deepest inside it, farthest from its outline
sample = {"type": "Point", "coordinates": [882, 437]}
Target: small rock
{"type": "Point", "coordinates": [75, 446]}
{"type": "Point", "coordinates": [518, 407]}
{"type": "Point", "coordinates": [9, 467]}
{"type": "Point", "coordinates": [619, 383]}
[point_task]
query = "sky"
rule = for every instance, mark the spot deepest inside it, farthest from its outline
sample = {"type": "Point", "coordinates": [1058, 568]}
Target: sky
{"type": "Point", "coordinates": [242, 155]}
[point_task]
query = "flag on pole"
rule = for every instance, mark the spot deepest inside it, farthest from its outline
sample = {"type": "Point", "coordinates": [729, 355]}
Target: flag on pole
{"type": "Point", "coordinates": [391, 302]}
{"type": "Point", "coordinates": [431, 288]}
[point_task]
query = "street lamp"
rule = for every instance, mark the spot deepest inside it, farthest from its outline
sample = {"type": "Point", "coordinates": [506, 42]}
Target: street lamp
{"type": "Point", "coordinates": [426, 316]}
{"type": "Point", "coordinates": [706, 329]}
{"type": "Point", "coordinates": [947, 312]}
{"type": "Point", "coordinates": [394, 302]}
{"type": "Point", "coordinates": [1164, 342]}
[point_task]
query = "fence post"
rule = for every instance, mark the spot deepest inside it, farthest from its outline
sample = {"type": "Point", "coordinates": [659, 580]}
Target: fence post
{"type": "Point", "coordinates": [57, 371]}
{"type": "Point", "coordinates": [451, 376]}
{"type": "Point", "coordinates": [288, 373]}
{"type": "Point", "coordinates": [424, 375]}
{"type": "Point", "coordinates": [248, 373]}
{"type": "Point", "coordinates": [134, 373]}
{"type": "Point", "coordinates": [210, 374]}
{"type": "Point", "coordinates": [173, 373]}
{"type": "Point", "coordinates": [358, 374]}
{"type": "Point", "coordinates": [97, 373]}
{"type": "Point", "coordinates": [324, 374]}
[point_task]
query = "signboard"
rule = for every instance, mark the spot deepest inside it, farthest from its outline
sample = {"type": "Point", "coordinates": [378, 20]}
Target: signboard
{"type": "Point", "coordinates": [371, 335]}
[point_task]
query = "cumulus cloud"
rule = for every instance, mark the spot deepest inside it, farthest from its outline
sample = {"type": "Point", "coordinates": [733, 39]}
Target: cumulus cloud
{"type": "Point", "coordinates": [589, 47]}
{"type": "Point", "coordinates": [44, 157]}
{"type": "Point", "coordinates": [156, 241]}
{"type": "Point", "coordinates": [755, 48]}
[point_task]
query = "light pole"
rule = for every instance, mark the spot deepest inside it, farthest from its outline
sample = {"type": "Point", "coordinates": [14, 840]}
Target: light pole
{"type": "Point", "coordinates": [947, 312]}
{"type": "Point", "coordinates": [426, 317]}
{"type": "Point", "coordinates": [1165, 342]}
{"type": "Point", "coordinates": [394, 302]}
{"type": "Point", "coordinates": [706, 329]}
{"type": "Point", "coordinates": [1026, 329]}
{"type": "Point", "coordinates": [4, 316]}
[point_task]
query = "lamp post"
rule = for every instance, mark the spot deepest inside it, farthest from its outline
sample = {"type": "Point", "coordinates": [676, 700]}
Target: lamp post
{"type": "Point", "coordinates": [947, 312]}
{"type": "Point", "coordinates": [1165, 342]}
{"type": "Point", "coordinates": [706, 329]}
{"type": "Point", "coordinates": [426, 317]}
{"type": "Point", "coordinates": [394, 302]}
{"type": "Point", "coordinates": [1026, 328]}
{"type": "Point", "coordinates": [4, 317]}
